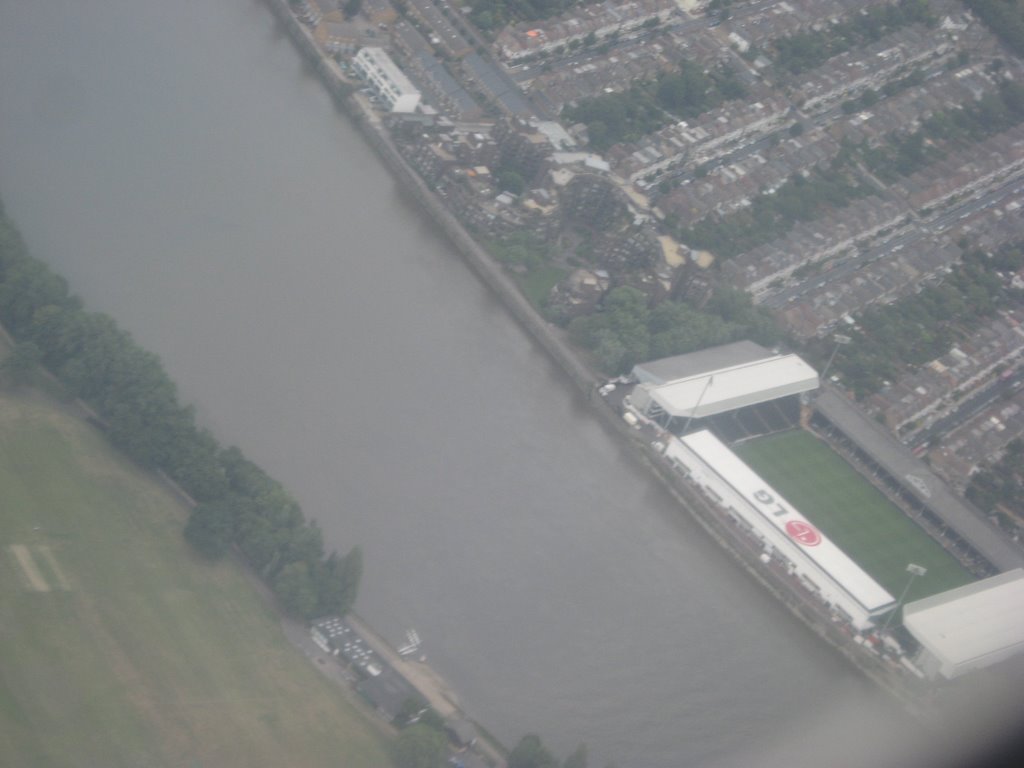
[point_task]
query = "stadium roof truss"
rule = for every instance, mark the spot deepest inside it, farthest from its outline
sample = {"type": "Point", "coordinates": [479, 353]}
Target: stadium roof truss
{"type": "Point", "coordinates": [710, 392]}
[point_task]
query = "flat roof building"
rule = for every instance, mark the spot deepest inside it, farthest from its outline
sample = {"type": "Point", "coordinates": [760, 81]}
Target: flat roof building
{"type": "Point", "coordinates": [717, 380]}
{"type": "Point", "coordinates": [969, 627]}
{"type": "Point", "coordinates": [387, 80]}
{"type": "Point", "coordinates": [820, 565]}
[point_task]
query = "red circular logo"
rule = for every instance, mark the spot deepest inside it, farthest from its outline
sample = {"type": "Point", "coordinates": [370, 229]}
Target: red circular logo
{"type": "Point", "coordinates": [803, 532]}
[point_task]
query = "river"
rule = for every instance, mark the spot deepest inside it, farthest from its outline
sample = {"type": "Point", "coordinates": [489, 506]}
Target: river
{"type": "Point", "coordinates": [185, 171]}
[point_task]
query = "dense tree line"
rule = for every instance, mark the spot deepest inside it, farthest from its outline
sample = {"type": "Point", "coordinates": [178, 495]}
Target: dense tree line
{"type": "Point", "coordinates": [922, 327]}
{"type": "Point", "coordinates": [1001, 485]}
{"type": "Point", "coordinates": [617, 117]}
{"type": "Point", "coordinates": [626, 330]}
{"type": "Point", "coordinates": [770, 216]}
{"type": "Point", "coordinates": [686, 93]}
{"type": "Point", "coordinates": [423, 743]}
{"type": "Point", "coordinates": [899, 156]}
{"type": "Point", "coordinates": [238, 503]}
{"type": "Point", "coordinates": [993, 113]}
{"type": "Point", "coordinates": [1005, 18]}
{"type": "Point", "coordinates": [421, 746]}
{"type": "Point", "coordinates": [802, 51]}
{"type": "Point", "coordinates": [902, 154]}
{"type": "Point", "coordinates": [530, 752]}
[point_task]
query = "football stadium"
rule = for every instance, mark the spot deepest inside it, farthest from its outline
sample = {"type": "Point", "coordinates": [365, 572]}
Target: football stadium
{"type": "Point", "coordinates": [785, 534]}
{"type": "Point", "coordinates": [852, 519]}
{"type": "Point", "coordinates": [852, 513]}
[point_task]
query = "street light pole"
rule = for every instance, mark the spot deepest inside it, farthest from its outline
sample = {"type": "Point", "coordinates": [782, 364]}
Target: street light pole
{"type": "Point", "coordinates": [913, 570]}
{"type": "Point", "coordinates": [840, 340]}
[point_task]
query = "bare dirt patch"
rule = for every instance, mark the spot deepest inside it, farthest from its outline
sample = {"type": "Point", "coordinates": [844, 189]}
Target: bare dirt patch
{"type": "Point", "coordinates": [43, 552]}
{"type": "Point", "coordinates": [33, 578]}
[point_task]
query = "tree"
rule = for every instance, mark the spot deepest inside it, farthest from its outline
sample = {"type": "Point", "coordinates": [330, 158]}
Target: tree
{"type": "Point", "coordinates": [351, 573]}
{"type": "Point", "coordinates": [337, 581]}
{"type": "Point", "coordinates": [530, 752]}
{"type": "Point", "coordinates": [27, 286]}
{"type": "Point", "coordinates": [419, 746]}
{"type": "Point", "coordinates": [305, 543]}
{"type": "Point", "coordinates": [21, 363]}
{"type": "Point", "coordinates": [578, 759]}
{"type": "Point", "coordinates": [511, 181]}
{"type": "Point", "coordinates": [139, 407]}
{"type": "Point", "coordinates": [411, 710]}
{"type": "Point", "coordinates": [12, 247]}
{"type": "Point", "coordinates": [256, 538]}
{"type": "Point", "coordinates": [294, 588]}
{"type": "Point", "coordinates": [209, 529]}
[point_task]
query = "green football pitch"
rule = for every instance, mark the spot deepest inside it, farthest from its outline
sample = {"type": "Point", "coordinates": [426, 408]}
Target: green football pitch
{"type": "Point", "coordinates": [852, 513]}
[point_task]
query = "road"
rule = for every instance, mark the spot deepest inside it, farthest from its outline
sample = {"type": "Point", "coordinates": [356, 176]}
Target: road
{"type": "Point", "coordinates": [969, 408]}
{"type": "Point", "coordinates": [525, 72]}
{"type": "Point", "coordinates": [936, 225]}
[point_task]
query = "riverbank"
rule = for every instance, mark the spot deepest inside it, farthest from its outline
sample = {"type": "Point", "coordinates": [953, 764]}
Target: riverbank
{"type": "Point", "coordinates": [122, 649]}
{"type": "Point", "coordinates": [495, 278]}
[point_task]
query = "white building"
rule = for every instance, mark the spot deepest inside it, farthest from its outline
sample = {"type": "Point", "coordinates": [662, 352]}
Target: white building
{"type": "Point", "coordinates": [969, 627]}
{"type": "Point", "coordinates": [387, 80]}
{"type": "Point", "coordinates": [821, 566]}
{"type": "Point", "coordinates": [717, 380]}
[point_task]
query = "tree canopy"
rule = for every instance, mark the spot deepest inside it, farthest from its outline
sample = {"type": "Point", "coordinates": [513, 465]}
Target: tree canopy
{"type": "Point", "coordinates": [805, 50]}
{"type": "Point", "coordinates": [1000, 486]}
{"type": "Point", "coordinates": [645, 107]}
{"type": "Point", "coordinates": [530, 752]}
{"type": "Point", "coordinates": [922, 327]}
{"type": "Point", "coordinates": [626, 330]}
{"type": "Point", "coordinates": [138, 406]}
{"type": "Point", "coordinates": [1005, 18]}
{"type": "Point", "coordinates": [19, 366]}
{"type": "Point", "coordinates": [420, 746]}
{"type": "Point", "coordinates": [772, 215]}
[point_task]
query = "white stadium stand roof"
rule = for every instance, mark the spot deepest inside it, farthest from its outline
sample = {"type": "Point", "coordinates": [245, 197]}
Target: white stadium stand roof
{"type": "Point", "coordinates": [971, 626]}
{"type": "Point", "coordinates": [812, 556]}
{"type": "Point", "coordinates": [693, 363]}
{"type": "Point", "coordinates": [724, 385]}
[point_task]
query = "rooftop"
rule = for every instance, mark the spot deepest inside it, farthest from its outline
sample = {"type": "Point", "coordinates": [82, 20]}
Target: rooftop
{"type": "Point", "coordinates": [733, 386]}
{"type": "Point", "coordinates": [777, 513]}
{"type": "Point", "coordinates": [705, 361]}
{"type": "Point", "coordinates": [972, 622]}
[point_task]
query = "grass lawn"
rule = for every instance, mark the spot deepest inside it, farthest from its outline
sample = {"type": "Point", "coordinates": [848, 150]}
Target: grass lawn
{"type": "Point", "coordinates": [119, 648]}
{"type": "Point", "coordinates": [852, 513]}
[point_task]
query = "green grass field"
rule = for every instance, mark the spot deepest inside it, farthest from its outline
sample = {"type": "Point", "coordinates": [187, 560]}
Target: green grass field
{"type": "Point", "coordinates": [536, 284]}
{"type": "Point", "coordinates": [118, 648]}
{"type": "Point", "coordinates": [852, 513]}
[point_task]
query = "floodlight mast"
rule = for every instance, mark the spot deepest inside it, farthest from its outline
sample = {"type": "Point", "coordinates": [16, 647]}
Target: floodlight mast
{"type": "Point", "coordinates": [913, 570]}
{"type": "Point", "coordinates": [840, 340]}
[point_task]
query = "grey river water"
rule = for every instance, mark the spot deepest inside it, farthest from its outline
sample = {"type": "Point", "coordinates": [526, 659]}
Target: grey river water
{"type": "Point", "coordinates": [177, 162]}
